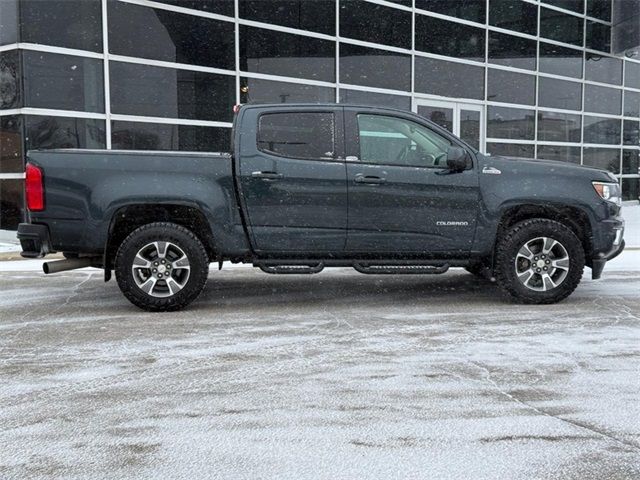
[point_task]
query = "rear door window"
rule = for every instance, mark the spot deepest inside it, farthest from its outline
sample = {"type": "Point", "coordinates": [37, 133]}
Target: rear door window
{"type": "Point", "coordinates": [305, 135]}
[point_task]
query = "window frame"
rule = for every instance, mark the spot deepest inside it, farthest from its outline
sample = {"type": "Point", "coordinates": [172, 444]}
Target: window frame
{"type": "Point", "coordinates": [336, 134]}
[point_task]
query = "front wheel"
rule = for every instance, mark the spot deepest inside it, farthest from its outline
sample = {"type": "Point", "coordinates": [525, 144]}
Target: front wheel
{"type": "Point", "coordinates": [539, 261]}
{"type": "Point", "coordinates": [161, 267]}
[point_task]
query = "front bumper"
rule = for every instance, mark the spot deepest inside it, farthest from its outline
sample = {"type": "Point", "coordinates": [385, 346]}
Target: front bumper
{"type": "Point", "coordinates": [34, 240]}
{"type": "Point", "coordinates": [616, 249]}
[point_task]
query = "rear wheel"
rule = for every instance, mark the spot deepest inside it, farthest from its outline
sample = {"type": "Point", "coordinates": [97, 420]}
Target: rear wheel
{"type": "Point", "coordinates": [539, 261]}
{"type": "Point", "coordinates": [161, 267]}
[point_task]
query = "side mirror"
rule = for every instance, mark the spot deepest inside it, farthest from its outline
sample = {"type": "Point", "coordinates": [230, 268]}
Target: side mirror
{"type": "Point", "coordinates": [457, 159]}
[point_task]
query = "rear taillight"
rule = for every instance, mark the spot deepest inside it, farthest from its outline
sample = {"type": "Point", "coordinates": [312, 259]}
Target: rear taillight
{"type": "Point", "coordinates": [34, 188]}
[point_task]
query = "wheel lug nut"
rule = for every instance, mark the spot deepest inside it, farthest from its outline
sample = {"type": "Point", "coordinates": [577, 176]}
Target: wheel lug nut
{"type": "Point", "coordinates": [548, 262]}
{"type": "Point", "coordinates": [155, 270]}
{"type": "Point", "coordinates": [545, 269]}
{"type": "Point", "coordinates": [155, 263]}
{"type": "Point", "coordinates": [538, 270]}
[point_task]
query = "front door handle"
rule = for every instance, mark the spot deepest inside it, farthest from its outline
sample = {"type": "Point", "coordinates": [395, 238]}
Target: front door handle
{"type": "Point", "coordinates": [267, 175]}
{"type": "Point", "coordinates": [369, 179]}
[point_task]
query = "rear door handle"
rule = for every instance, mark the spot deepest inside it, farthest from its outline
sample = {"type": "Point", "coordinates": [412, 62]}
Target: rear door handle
{"type": "Point", "coordinates": [370, 180]}
{"type": "Point", "coordinates": [267, 175]}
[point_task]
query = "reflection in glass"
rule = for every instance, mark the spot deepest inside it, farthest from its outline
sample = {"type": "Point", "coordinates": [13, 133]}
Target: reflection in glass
{"type": "Point", "coordinates": [221, 7]}
{"type": "Point", "coordinates": [602, 99]}
{"type": "Point", "coordinates": [511, 150]}
{"type": "Point", "coordinates": [255, 90]}
{"type": "Point", "coordinates": [600, 68]}
{"type": "Point", "coordinates": [604, 158]}
{"type": "Point", "coordinates": [630, 188]}
{"type": "Point", "coordinates": [44, 132]}
{"type": "Point", "coordinates": [474, 10]}
{"type": "Point", "coordinates": [573, 5]}
{"type": "Point", "coordinates": [375, 23]}
{"type": "Point", "coordinates": [11, 144]}
{"type": "Point", "coordinates": [600, 9]}
{"type": "Point", "coordinates": [8, 22]}
{"type": "Point", "coordinates": [470, 127]}
{"type": "Point", "coordinates": [449, 79]}
{"type": "Point", "coordinates": [10, 80]}
{"type": "Point", "coordinates": [63, 82]}
{"type": "Point", "coordinates": [556, 93]}
{"type": "Point", "coordinates": [11, 203]}
{"type": "Point", "coordinates": [452, 39]}
{"type": "Point", "coordinates": [279, 53]}
{"type": "Point", "coordinates": [631, 133]}
{"type": "Point", "coordinates": [560, 60]}
{"type": "Point", "coordinates": [598, 36]}
{"type": "Point", "coordinates": [511, 123]}
{"type": "Point", "coordinates": [514, 15]}
{"type": "Point", "coordinates": [512, 51]}
{"type": "Point", "coordinates": [561, 27]}
{"type": "Point", "coordinates": [439, 115]}
{"type": "Point", "coordinates": [632, 104]}
{"type": "Point", "coordinates": [602, 130]}
{"type": "Point", "coordinates": [359, 97]}
{"type": "Point", "coordinates": [559, 127]}
{"type": "Point", "coordinates": [561, 153]}
{"type": "Point", "coordinates": [632, 74]}
{"type": "Point", "coordinates": [308, 135]}
{"type": "Point", "coordinates": [373, 67]}
{"type": "Point", "coordinates": [157, 136]}
{"type": "Point", "coordinates": [158, 34]}
{"type": "Point", "coordinates": [316, 16]}
{"type": "Point", "coordinates": [167, 92]}
{"type": "Point", "coordinates": [62, 23]}
{"type": "Point", "coordinates": [631, 162]}
{"type": "Point", "coordinates": [511, 87]}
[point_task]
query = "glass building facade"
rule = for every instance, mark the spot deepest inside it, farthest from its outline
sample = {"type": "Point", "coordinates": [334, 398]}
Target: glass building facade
{"type": "Point", "coordinates": [524, 78]}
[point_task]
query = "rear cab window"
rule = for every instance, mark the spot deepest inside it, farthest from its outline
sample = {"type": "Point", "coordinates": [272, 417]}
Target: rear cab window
{"type": "Point", "coordinates": [304, 135]}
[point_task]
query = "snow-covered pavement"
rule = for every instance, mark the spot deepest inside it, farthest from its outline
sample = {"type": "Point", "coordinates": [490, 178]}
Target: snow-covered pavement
{"type": "Point", "coordinates": [337, 375]}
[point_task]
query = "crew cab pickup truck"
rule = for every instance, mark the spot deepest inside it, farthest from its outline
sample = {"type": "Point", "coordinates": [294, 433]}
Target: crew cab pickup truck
{"type": "Point", "coordinates": [315, 186]}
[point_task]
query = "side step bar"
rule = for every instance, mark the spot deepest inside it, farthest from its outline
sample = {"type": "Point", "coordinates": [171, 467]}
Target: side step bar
{"type": "Point", "coordinates": [371, 269]}
{"type": "Point", "coordinates": [276, 269]}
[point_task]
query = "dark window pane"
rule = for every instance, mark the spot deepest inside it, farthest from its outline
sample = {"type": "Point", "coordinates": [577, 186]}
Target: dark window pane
{"type": "Point", "coordinates": [63, 23]}
{"type": "Point", "coordinates": [404, 3]}
{"type": "Point", "coordinates": [559, 127]}
{"type": "Point", "coordinates": [602, 130]}
{"type": "Point", "coordinates": [375, 23]}
{"type": "Point", "coordinates": [631, 162]}
{"type": "Point", "coordinates": [158, 34]}
{"type": "Point", "coordinates": [167, 92]}
{"type": "Point", "coordinates": [632, 104]}
{"type": "Point", "coordinates": [10, 80]}
{"type": "Point", "coordinates": [11, 203]}
{"type": "Point", "coordinates": [63, 132]}
{"type": "Point", "coordinates": [63, 82]}
{"type": "Point", "coordinates": [559, 94]}
{"type": "Point", "coordinates": [474, 10]}
{"type": "Point", "coordinates": [602, 99]}
{"type": "Point", "coordinates": [278, 53]}
{"type": "Point", "coordinates": [470, 127]}
{"type": "Point", "coordinates": [510, 87]}
{"type": "Point", "coordinates": [255, 90]}
{"type": "Point", "coordinates": [632, 75]}
{"type": "Point", "coordinates": [316, 15]}
{"type": "Point", "coordinates": [449, 38]}
{"type": "Point", "coordinates": [8, 21]}
{"type": "Point", "coordinates": [631, 134]}
{"type": "Point", "coordinates": [511, 150]}
{"type": "Point", "coordinates": [512, 123]}
{"type": "Point", "coordinates": [221, 7]}
{"type": "Point", "coordinates": [374, 68]}
{"type": "Point", "coordinates": [603, 69]}
{"type": "Point", "coordinates": [442, 116]}
{"type": "Point", "coordinates": [158, 136]}
{"type": "Point", "coordinates": [598, 36]}
{"type": "Point", "coordinates": [359, 97]}
{"type": "Point", "coordinates": [297, 135]}
{"type": "Point", "coordinates": [560, 60]}
{"type": "Point", "coordinates": [561, 27]}
{"type": "Point", "coordinates": [512, 51]}
{"type": "Point", "coordinates": [514, 15]}
{"type": "Point", "coordinates": [573, 5]}
{"type": "Point", "coordinates": [599, 9]}
{"type": "Point", "coordinates": [555, 152]}
{"type": "Point", "coordinates": [604, 158]}
{"type": "Point", "coordinates": [11, 144]}
{"type": "Point", "coordinates": [449, 79]}
{"type": "Point", "coordinates": [630, 188]}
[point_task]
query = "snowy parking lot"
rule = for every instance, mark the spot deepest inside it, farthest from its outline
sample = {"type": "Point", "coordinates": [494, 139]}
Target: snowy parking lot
{"type": "Point", "coordinates": [337, 375]}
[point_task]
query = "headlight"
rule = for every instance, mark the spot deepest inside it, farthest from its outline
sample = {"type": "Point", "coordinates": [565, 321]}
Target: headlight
{"type": "Point", "coordinates": [609, 192]}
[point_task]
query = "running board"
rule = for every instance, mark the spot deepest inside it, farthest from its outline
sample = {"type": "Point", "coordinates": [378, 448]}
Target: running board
{"type": "Point", "coordinates": [276, 269]}
{"type": "Point", "coordinates": [401, 269]}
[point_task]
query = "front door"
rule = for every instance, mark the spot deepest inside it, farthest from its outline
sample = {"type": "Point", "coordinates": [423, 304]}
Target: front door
{"type": "Point", "coordinates": [464, 120]}
{"type": "Point", "coordinates": [402, 198]}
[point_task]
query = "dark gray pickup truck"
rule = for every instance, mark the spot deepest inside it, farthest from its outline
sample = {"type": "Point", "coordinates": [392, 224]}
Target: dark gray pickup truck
{"type": "Point", "coordinates": [314, 186]}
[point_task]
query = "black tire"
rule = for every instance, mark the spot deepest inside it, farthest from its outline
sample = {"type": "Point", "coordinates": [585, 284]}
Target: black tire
{"type": "Point", "coordinates": [518, 236]}
{"type": "Point", "coordinates": [186, 242]}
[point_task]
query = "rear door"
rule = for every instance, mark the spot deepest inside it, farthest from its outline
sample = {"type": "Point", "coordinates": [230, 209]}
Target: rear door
{"type": "Point", "coordinates": [402, 198]}
{"type": "Point", "coordinates": [293, 179]}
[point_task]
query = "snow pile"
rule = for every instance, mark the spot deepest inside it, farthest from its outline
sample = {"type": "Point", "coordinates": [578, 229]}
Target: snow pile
{"type": "Point", "coordinates": [631, 215]}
